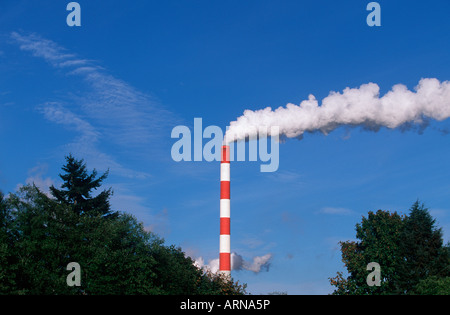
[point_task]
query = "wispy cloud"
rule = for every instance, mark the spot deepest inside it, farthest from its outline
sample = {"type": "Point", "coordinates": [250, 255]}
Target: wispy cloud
{"type": "Point", "coordinates": [85, 144]}
{"type": "Point", "coordinates": [335, 211]}
{"type": "Point", "coordinates": [284, 176]}
{"type": "Point", "coordinates": [124, 114]}
{"type": "Point", "coordinates": [43, 48]}
{"type": "Point", "coordinates": [105, 108]}
{"type": "Point", "coordinates": [57, 113]}
{"type": "Point", "coordinates": [36, 176]}
{"type": "Point", "coordinates": [156, 219]}
{"type": "Point", "coordinates": [160, 223]}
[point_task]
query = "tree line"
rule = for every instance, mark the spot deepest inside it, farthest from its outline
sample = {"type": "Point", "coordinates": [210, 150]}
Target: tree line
{"type": "Point", "coordinates": [40, 235]}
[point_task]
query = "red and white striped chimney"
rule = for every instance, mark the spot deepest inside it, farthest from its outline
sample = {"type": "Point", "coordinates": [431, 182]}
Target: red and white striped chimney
{"type": "Point", "coordinates": [225, 257]}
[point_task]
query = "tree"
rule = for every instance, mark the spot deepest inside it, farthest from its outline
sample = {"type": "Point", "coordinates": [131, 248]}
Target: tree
{"type": "Point", "coordinates": [219, 284]}
{"type": "Point", "coordinates": [409, 250]}
{"type": "Point", "coordinates": [422, 249]}
{"type": "Point", "coordinates": [78, 189]}
{"type": "Point", "coordinates": [379, 242]}
{"type": "Point", "coordinates": [115, 256]}
{"type": "Point", "coordinates": [44, 233]}
{"type": "Point", "coordinates": [7, 272]}
{"type": "Point", "coordinates": [433, 286]}
{"type": "Point", "coordinates": [176, 274]}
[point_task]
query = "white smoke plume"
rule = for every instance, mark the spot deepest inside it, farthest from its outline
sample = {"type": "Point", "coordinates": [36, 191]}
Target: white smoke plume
{"type": "Point", "coordinates": [361, 106]}
{"type": "Point", "coordinates": [258, 264]}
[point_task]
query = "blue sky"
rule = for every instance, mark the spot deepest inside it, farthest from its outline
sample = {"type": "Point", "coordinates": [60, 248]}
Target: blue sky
{"type": "Point", "coordinates": [112, 90]}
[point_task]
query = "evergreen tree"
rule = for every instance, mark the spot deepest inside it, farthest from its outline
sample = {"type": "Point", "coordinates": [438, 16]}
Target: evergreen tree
{"type": "Point", "coordinates": [79, 185]}
{"type": "Point", "coordinates": [422, 249]}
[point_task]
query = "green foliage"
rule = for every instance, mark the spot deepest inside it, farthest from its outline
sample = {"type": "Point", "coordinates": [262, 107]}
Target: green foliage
{"type": "Point", "coordinates": [433, 286]}
{"type": "Point", "coordinates": [78, 189]}
{"type": "Point", "coordinates": [217, 284]}
{"type": "Point", "coordinates": [409, 250]}
{"type": "Point", "coordinates": [7, 275]}
{"type": "Point", "coordinates": [422, 249]}
{"type": "Point", "coordinates": [379, 234]}
{"type": "Point", "coordinates": [40, 236]}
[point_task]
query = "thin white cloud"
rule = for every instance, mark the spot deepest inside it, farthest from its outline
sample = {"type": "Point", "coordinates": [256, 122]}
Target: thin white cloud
{"type": "Point", "coordinates": [57, 113]}
{"type": "Point", "coordinates": [124, 199]}
{"type": "Point", "coordinates": [335, 211]}
{"type": "Point", "coordinates": [106, 107]}
{"type": "Point", "coordinates": [126, 115]}
{"type": "Point", "coordinates": [43, 48]}
{"type": "Point", "coordinates": [101, 161]}
{"type": "Point", "coordinates": [160, 223]}
{"type": "Point", "coordinates": [85, 144]}
{"type": "Point", "coordinates": [284, 176]}
{"type": "Point", "coordinates": [75, 62]}
{"type": "Point", "coordinates": [36, 176]}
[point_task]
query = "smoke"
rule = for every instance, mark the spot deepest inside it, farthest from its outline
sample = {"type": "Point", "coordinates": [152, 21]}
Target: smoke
{"type": "Point", "coordinates": [353, 107]}
{"type": "Point", "coordinates": [258, 264]}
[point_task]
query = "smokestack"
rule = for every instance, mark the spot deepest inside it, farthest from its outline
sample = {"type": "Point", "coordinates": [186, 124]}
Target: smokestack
{"type": "Point", "coordinates": [224, 253]}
